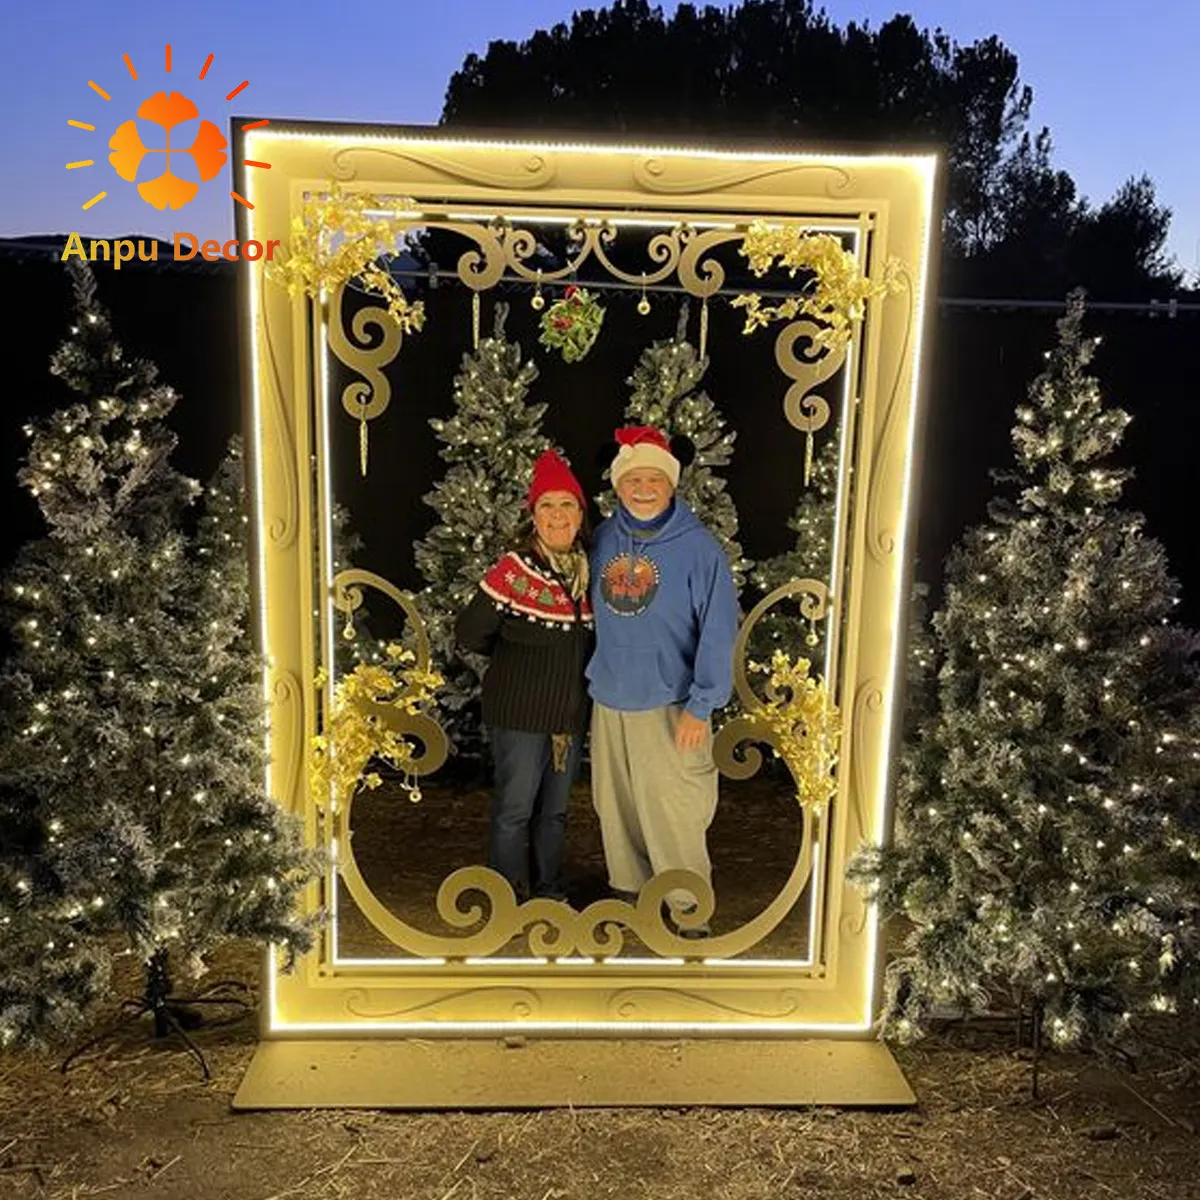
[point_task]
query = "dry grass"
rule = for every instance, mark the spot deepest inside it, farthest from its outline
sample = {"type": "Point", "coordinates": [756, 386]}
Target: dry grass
{"type": "Point", "coordinates": [132, 1119]}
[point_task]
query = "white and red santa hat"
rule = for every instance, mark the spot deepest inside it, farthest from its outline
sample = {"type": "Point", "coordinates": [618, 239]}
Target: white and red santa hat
{"type": "Point", "coordinates": [646, 447]}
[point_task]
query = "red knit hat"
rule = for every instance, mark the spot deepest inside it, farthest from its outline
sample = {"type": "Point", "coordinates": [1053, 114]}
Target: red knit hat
{"type": "Point", "coordinates": [644, 446]}
{"type": "Point", "coordinates": [551, 473]}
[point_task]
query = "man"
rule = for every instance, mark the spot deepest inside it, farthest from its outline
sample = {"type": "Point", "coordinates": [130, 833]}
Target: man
{"type": "Point", "coordinates": [666, 617]}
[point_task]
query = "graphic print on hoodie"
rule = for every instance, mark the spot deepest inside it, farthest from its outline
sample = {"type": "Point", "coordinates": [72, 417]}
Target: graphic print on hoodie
{"type": "Point", "coordinates": [666, 614]}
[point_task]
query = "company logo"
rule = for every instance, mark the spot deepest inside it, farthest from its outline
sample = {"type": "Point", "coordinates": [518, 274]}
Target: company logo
{"type": "Point", "coordinates": [160, 163]}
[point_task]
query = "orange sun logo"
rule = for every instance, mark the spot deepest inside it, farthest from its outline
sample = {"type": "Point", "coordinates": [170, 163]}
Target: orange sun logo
{"type": "Point", "coordinates": [167, 111]}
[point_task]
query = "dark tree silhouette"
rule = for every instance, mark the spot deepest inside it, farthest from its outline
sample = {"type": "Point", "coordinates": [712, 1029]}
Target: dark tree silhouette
{"type": "Point", "coordinates": [781, 71]}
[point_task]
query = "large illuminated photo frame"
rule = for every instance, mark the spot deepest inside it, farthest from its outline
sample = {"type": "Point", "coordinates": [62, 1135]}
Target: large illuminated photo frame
{"type": "Point", "coordinates": [883, 207]}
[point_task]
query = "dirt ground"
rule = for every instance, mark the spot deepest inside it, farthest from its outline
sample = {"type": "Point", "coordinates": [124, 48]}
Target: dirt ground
{"type": "Point", "coordinates": [135, 1119]}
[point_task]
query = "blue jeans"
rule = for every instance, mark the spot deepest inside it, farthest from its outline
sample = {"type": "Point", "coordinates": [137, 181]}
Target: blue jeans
{"type": "Point", "coordinates": [529, 811]}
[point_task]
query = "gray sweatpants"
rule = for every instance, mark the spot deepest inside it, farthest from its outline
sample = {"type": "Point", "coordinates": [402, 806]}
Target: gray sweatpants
{"type": "Point", "coordinates": [655, 803]}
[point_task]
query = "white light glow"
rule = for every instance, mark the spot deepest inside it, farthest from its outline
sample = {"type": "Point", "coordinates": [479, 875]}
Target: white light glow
{"type": "Point", "coordinates": [324, 601]}
{"type": "Point", "coordinates": [929, 170]}
{"type": "Point", "coordinates": [924, 162]}
{"type": "Point", "coordinates": [926, 167]}
{"type": "Point", "coordinates": [594, 222]}
{"type": "Point", "coordinates": [335, 880]}
{"type": "Point", "coordinates": [452, 1028]}
{"type": "Point", "coordinates": [255, 453]}
{"type": "Point", "coordinates": [397, 214]}
{"type": "Point", "coordinates": [389, 962]}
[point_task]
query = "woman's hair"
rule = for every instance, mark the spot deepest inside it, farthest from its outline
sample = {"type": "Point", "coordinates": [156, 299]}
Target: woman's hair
{"type": "Point", "coordinates": [527, 532]}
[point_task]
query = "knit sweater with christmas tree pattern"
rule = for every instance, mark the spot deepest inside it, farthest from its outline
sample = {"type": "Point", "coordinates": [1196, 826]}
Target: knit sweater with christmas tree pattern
{"type": "Point", "coordinates": [538, 639]}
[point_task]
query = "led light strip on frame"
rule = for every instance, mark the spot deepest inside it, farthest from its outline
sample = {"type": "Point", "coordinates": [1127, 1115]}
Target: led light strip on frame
{"type": "Point", "coordinates": [926, 165]}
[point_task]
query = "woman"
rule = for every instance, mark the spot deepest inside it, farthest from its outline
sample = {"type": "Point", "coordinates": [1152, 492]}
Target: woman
{"type": "Point", "coordinates": [532, 618]}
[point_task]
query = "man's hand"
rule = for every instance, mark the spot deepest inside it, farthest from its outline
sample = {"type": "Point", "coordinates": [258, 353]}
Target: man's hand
{"type": "Point", "coordinates": [690, 732]}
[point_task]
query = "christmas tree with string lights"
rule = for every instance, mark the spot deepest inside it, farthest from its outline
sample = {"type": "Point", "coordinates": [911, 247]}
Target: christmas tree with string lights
{"type": "Point", "coordinates": [920, 662]}
{"type": "Point", "coordinates": [364, 648]}
{"type": "Point", "coordinates": [666, 393]}
{"type": "Point", "coordinates": [490, 443]}
{"type": "Point", "coordinates": [132, 745]}
{"type": "Point", "coordinates": [783, 626]}
{"type": "Point", "coordinates": [1048, 845]}
{"type": "Point", "coordinates": [51, 972]}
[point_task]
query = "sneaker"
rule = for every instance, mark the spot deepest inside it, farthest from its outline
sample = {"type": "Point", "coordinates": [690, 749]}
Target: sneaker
{"type": "Point", "coordinates": [693, 932]}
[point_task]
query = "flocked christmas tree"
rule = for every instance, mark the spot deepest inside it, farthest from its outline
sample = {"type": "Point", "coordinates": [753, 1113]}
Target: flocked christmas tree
{"type": "Point", "coordinates": [1048, 850]}
{"type": "Point", "coordinates": [132, 751]}
{"type": "Point", "coordinates": [490, 444]}
{"type": "Point", "coordinates": [364, 646]}
{"type": "Point", "coordinates": [666, 394]}
{"type": "Point", "coordinates": [920, 663]}
{"type": "Point", "coordinates": [51, 972]}
{"type": "Point", "coordinates": [783, 627]}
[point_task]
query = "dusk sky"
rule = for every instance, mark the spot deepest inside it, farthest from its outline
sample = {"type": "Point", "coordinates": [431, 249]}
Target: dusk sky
{"type": "Point", "coordinates": [1114, 81]}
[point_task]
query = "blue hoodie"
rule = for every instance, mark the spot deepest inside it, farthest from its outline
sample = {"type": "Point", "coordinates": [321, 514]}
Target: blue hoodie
{"type": "Point", "coordinates": [666, 614]}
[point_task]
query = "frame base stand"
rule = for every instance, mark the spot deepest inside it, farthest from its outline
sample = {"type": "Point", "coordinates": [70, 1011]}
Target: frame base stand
{"type": "Point", "coordinates": [551, 1073]}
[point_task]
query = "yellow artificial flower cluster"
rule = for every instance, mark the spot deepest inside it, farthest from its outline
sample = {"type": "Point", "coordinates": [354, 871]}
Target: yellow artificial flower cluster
{"type": "Point", "coordinates": [336, 239]}
{"type": "Point", "coordinates": [356, 731]}
{"type": "Point", "coordinates": [838, 293]}
{"type": "Point", "coordinates": [804, 724]}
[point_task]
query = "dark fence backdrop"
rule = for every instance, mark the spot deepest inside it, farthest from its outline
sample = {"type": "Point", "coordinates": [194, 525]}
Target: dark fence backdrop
{"type": "Point", "coordinates": [185, 319]}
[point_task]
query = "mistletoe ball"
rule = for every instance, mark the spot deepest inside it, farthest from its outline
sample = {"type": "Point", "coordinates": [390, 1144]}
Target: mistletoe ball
{"type": "Point", "coordinates": [572, 324]}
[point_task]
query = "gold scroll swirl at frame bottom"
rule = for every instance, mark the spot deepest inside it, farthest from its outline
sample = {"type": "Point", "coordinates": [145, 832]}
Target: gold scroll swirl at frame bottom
{"type": "Point", "coordinates": [555, 930]}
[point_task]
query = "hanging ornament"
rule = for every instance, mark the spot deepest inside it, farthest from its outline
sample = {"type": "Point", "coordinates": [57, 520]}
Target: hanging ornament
{"type": "Point", "coordinates": [808, 456]}
{"type": "Point", "coordinates": [409, 784]}
{"type": "Point", "coordinates": [572, 324]}
{"type": "Point", "coordinates": [475, 307]}
{"type": "Point", "coordinates": [362, 437]}
{"type": "Point", "coordinates": [644, 303]}
{"type": "Point", "coordinates": [703, 327]}
{"type": "Point", "coordinates": [349, 633]}
{"type": "Point", "coordinates": [539, 301]}
{"type": "Point", "coordinates": [812, 638]}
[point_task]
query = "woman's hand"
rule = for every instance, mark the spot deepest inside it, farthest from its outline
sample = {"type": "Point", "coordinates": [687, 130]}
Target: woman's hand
{"type": "Point", "coordinates": [690, 732]}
